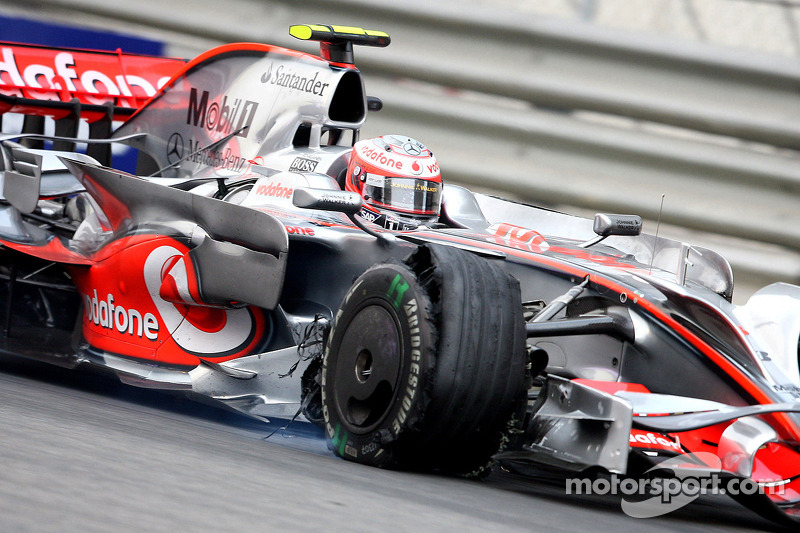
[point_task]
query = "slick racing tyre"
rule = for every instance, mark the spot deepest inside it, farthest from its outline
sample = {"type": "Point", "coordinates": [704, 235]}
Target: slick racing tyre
{"type": "Point", "coordinates": [425, 366]}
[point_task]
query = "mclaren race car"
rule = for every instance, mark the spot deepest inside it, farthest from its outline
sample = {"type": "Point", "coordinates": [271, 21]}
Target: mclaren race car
{"type": "Point", "coordinates": [235, 263]}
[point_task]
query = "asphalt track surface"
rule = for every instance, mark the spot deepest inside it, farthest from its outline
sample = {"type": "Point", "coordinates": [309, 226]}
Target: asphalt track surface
{"type": "Point", "coordinates": [82, 452]}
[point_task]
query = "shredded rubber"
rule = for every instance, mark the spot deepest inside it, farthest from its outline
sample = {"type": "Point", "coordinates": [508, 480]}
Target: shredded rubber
{"type": "Point", "coordinates": [312, 343]}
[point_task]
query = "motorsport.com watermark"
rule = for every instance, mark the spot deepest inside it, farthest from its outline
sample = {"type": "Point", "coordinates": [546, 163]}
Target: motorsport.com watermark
{"type": "Point", "coordinates": [656, 496]}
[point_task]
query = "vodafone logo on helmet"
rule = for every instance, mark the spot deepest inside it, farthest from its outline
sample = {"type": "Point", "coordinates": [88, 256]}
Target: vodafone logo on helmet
{"type": "Point", "coordinates": [396, 155]}
{"type": "Point", "coordinates": [386, 160]}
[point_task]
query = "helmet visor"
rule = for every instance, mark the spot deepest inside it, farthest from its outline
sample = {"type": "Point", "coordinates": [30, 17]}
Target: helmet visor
{"type": "Point", "coordinates": [407, 195]}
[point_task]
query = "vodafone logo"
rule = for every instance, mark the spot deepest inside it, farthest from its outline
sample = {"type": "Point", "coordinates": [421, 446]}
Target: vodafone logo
{"type": "Point", "coordinates": [93, 78]}
{"type": "Point", "coordinates": [516, 234]}
{"type": "Point", "coordinates": [104, 312]}
{"type": "Point", "coordinates": [397, 156]}
{"type": "Point", "coordinates": [372, 154]}
{"type": "Point", "coordinates": [195, 328]}
{"type": "Point", "coordinates": [274, 190]}
{"type": "Point", "coordinates": [640, 439]}
{"type": "Point", "coordinates": [298, 230]}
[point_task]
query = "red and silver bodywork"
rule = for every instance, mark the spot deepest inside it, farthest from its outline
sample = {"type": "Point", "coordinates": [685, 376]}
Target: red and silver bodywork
{"type": "Point", "coordinates": [207, 277]}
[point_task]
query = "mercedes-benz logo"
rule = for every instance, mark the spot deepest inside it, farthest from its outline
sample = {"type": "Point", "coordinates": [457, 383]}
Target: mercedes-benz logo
{"type": "Point", "coordinates": [174, 148]}
{"type": "Point", "coordinates": [412, 149]}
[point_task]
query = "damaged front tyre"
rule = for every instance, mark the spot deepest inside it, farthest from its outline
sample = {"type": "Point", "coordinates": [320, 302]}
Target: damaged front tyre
{"type": "Point", "coordinates": [425, 365]}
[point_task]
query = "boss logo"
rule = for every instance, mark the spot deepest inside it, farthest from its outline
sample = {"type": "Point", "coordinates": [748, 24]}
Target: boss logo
{"type": "Point", "coordinates": [301, 164]}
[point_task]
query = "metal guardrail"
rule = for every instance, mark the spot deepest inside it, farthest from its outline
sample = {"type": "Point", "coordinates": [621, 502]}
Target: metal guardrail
{"type": "Point", "coordinates": [555, 112]}
{"type": "Point", "coordinates": [547, 62]}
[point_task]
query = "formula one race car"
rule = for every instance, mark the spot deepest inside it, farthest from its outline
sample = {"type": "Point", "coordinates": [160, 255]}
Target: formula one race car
{"type": "Point", "coordinates": [264, 257]}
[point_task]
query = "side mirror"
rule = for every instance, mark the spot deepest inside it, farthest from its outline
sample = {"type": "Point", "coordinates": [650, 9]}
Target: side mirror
{"type": "Point", "coordinates": [345, 202]}
{"type": "Point", "coordinates": [327, 200]}
{"type": "Point", "coordinates": [606, 225]}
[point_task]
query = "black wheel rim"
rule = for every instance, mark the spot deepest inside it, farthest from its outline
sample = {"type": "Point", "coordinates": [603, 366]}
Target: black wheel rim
{"type": "Point", "coordinates": [368, 368]}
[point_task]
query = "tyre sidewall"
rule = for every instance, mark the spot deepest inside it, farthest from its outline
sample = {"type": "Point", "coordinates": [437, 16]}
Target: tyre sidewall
{"type": "Point", "coordinates": [394, 287]}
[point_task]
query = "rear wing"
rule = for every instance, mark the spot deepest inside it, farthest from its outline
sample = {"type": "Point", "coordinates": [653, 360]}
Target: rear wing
{"type": "Point", "coordinates": [70, 85]}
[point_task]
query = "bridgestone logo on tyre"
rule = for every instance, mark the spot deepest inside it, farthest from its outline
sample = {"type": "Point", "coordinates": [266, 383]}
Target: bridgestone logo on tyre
{"type": "Point", "coordinates": [413, 378]}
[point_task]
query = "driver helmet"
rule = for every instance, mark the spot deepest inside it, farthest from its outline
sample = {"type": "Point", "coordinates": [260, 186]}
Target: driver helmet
{"type": "Point", "coordinates": [398, 179]}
